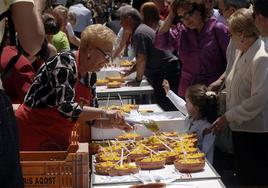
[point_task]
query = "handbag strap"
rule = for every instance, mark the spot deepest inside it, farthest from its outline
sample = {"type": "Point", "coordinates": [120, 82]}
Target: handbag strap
{"type": "Point", "coordinates": [13, 42]}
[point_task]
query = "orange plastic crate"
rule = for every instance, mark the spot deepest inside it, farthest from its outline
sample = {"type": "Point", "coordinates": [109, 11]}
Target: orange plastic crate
{"type": "Point", "coordinates": [57, 169]}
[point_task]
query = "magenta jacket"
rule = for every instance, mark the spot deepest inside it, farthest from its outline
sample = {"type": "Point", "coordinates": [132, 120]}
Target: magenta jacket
{"type": "Point", "coordinates": [202, 55]}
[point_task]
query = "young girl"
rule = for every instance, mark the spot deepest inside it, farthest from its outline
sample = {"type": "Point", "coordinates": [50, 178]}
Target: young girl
{"type": "Point", "coordinates": [201, 110]}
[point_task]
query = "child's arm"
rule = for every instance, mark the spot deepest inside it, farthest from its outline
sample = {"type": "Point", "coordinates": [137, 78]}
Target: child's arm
{"type": "Point", "coordinates": [176, 100]}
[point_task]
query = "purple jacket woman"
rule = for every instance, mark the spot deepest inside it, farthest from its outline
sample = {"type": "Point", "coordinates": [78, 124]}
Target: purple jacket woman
{"type": "Point", "coordinates": [202, 52]}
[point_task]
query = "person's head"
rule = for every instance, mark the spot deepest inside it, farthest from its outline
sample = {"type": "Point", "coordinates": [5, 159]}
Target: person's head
{"type": "Point", "coordinates": [51, 25]}
{"type": "Point", "coordinates": [115, 15]}
{"type": "Point", "coordinates": [260, 8]}
{"type": "Point", "coordinates": [138, 3]}
{"type": "Point", "coordinates": [62, 13]}
{"type": "Point", "coordinates": [243, 29]}
{"type": "Point", "coordinates": [96, 47]}
{"type": "Point", "coordinates": [192, 15]}
{"type": "Point", "coordinates": [129, 17]}
{"type": "Point", "coordinates": [150, 14]}
{"type": "Point", "coordinates": [228, 7]}
{"type": "Point", "coordinates": [201, 103]}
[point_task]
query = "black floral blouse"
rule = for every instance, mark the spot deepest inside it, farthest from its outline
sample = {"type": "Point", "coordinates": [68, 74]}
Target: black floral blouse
{"type": "Point", "coordinates": [54, 86]}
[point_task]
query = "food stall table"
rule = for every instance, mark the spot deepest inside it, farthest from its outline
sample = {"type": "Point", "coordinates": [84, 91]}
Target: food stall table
{"type": "Point", "coordinates": [205, 183]}
{"type": "Point", "coordinates": [167, 174]}
{"type": "Point", "coordinates": [144, 90]}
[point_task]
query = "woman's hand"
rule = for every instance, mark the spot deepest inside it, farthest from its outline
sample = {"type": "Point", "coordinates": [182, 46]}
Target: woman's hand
{"type": "Point", "coordinates": [114, 116]}
{"type": "Point", "coordinates": [219, 125]}
{"type": "Point", "coordinates": [215, 86]}
{"type": "Point", "coordinates": [127, 71]}
{"type": "Point", "coordinates": [116, 120]}
{"type": "Point", "coordinates": [165, 85]}
{"type": "Point", "coordinates": [124, 126]}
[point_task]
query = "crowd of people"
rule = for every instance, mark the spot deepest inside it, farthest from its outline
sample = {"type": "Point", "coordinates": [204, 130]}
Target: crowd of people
{"type": "Point", "coordinates": [190, 51]}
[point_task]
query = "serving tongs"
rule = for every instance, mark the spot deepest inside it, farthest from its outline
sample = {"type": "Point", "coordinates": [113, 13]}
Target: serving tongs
{"type": "Point", "coordinates": [149, 124]}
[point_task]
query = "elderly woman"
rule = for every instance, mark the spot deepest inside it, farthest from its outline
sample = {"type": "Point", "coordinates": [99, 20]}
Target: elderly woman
{"type": "Point", "coordinates": [200, 42]}
{"type": "Point", "coordinates": [55, 101]}
{"type": "Point", "coordinates": [246, 101]}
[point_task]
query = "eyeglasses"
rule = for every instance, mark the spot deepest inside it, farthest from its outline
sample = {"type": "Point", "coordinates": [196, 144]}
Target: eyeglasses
{"type": "Point", "coordinates": [187, 15]}
{"type": "Point", "coordinates": [107, 56]}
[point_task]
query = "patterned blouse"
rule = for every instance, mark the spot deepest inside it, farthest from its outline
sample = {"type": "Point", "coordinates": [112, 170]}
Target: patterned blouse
{"type": "Point", "coordinates": [54, 86]}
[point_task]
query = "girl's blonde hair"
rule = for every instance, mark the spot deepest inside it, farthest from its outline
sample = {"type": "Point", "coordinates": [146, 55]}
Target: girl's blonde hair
{"type": "Point", "coordinates": [97, 35]}
{"type": "Point", "coordinates": [241, 22]}
{"type": "Point", "coordinates": [205, 100]}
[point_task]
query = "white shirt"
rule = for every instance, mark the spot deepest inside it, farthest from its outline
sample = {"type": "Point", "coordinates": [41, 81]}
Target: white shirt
{"type": "Point", "coordinates": [69, 29]}
{"type": "Point", "coordinates": [247, 90]}
{"type": "Point", "coordinates": [4, 5]}
{"type": "Point", "coordinates": [231, 52]}
{"type": "Point", "coordinates": [265, 40]}
{"type": "Point", "coordinates": [83, 17]}
{"type": "Point", "coordinates": [205, 142]}
{"type": "Point", "coordinates": [219, 17]}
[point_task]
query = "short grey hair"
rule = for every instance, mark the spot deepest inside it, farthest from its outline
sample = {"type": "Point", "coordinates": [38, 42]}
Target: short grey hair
{"type": "Point", "coordinates": [237, 4]}
{"type": "Point", "coordinates": [127, 10]}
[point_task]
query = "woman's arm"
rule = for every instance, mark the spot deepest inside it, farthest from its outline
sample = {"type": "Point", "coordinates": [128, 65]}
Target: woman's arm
{"type": "Point", "coordinates": [73, 39]}
{"type": "Point", "coordinates": [122, 43]}
{"type": "Point", "coordinates": [29, 26]}
{"type": "Point", "coordinates": [164, 27]}
{"type": "Point", "coordinates": [105, 119]}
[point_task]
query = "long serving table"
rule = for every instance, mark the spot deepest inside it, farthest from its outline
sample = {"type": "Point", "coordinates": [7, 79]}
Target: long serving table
{"type": "Point", "coordinates": [207, 178]}
{"type": "Point", "coordinates": [167, 175]}
{"type": "Point", "coordinates": [213, 183]}
{"type": "Point", "coordinates": [144, 91]}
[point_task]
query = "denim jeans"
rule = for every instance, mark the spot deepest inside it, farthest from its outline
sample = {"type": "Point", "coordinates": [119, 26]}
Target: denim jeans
{"type": "Point", "coordinates": [10, 170]}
